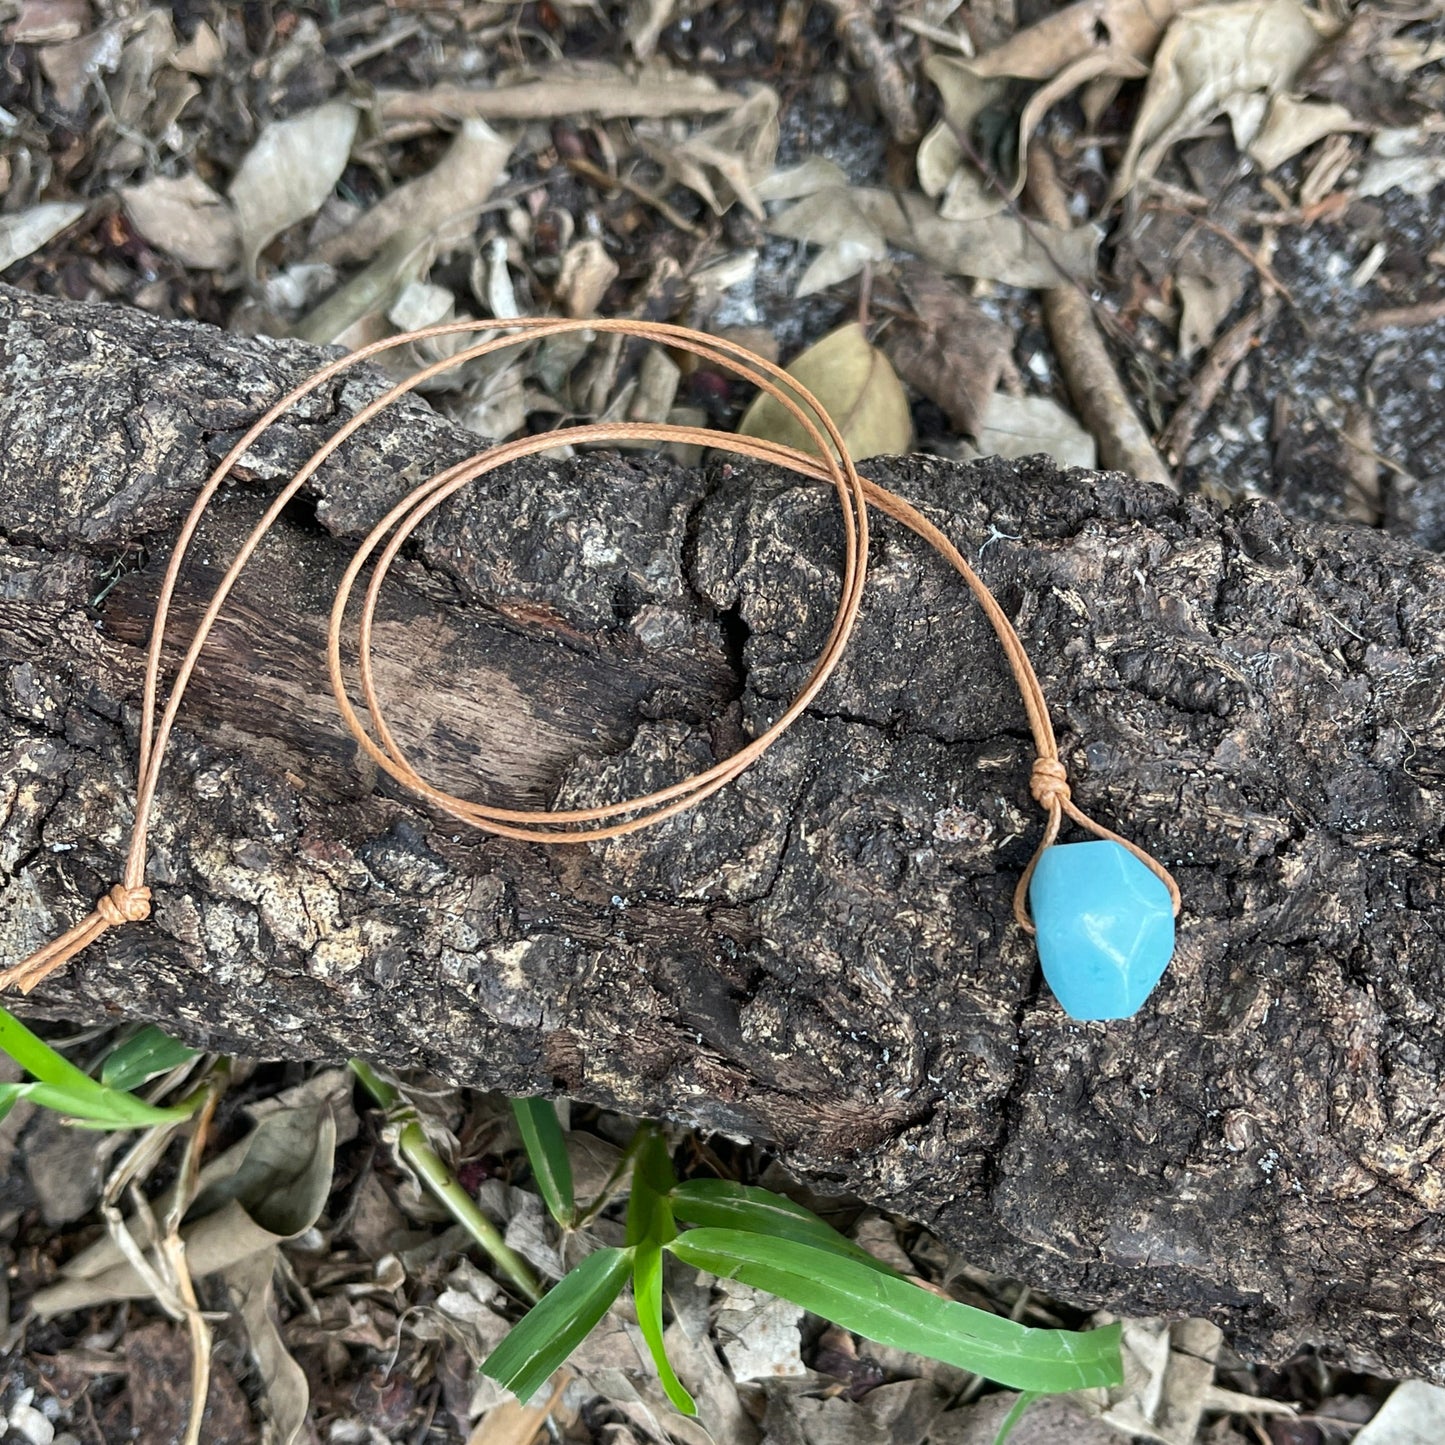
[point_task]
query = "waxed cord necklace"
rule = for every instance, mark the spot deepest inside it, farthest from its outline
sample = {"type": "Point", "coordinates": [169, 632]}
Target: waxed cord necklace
{"type": "Point", "coordinates": [1137, 906]}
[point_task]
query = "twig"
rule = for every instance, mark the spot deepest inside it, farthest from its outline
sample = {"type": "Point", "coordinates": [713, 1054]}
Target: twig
{"type": "Point", "coordinates": [1224, 356]}
{"type": "Point", "coordinates": [894, 88]}
{"type": "Point", "coordinates": [606, 181]}
{"type": "Point", "coordinates": [1294, 216]}
{"type": "Point", "coordinates": [1093, 383]}
{"type": "Point", "coordinates": [433, 1172]}
{"type": "Point", "coordinates": [1265, 270]}
{"type": "Point", "coordinates": [1423, 313]}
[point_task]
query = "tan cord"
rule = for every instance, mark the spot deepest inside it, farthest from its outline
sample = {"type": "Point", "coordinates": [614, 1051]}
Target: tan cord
{"type": "Point", "coordinates": [129, 900]}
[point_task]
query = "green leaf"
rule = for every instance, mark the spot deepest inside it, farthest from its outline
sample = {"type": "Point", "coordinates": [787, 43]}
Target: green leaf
{"type": "Point", "coordinates": [546, 1148]}
{"type": "Point", "coordinates": [36, 1057]}
{"type": "Point", "coordinates": [59, 1085]}
{"type": "Point", "coordinates": [721, 1204]}
{"type": "Point", "coordinates": [647, 1295]}
{"type": "Point", "coordinates": [543, 1338]}
{"type": "Point", "coordinates": [894, 1312]}
{"type": "Point", "coordinates": [1015, 1415]}
{"type": "Point", "coordinates": [152, 1051]}
{"type": "Point", "coordinates": [649, 1206]}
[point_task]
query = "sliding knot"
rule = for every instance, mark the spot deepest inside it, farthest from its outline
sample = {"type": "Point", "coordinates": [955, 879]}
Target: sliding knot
{"type": "Point", "coordinates": [1049, 783]}
{"type": "Point", "coordinates": [124, 905]}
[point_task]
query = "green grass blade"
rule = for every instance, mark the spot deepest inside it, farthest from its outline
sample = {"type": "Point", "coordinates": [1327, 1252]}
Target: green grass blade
{"type": "Point", "coordinates": [647, 1295]}
{"type": "Point", "coordinates": [59, 1085]}
{"type": "Point", "coordinates": [546, 1148]}
{"type": "Point", "coordinates": [36, 1057]}
{"type": "Point", "coordinates": [721, 1204]}
{"type": "Point", "coordinates": [1014, 1416]}
{"type": "Point", "coordinates": [10, 1095]}
{"type": "Point", "coordinates": [649, 1206]}
{"type": "Point", "coordinates": [96, 1107]}
{"type": "Point", "coordinates": [543, 1338]}
{"type": "Point", "coordinates": [894, 1312]}
{"type": "Point", "coordinates": [152, 1051]}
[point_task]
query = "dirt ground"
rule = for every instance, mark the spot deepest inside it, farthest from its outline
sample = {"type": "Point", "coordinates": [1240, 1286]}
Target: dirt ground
{"type": "Point", "coordinates": [1259, 244]}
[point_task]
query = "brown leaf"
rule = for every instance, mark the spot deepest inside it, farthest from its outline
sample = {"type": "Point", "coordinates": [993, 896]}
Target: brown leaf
{"type": "Point", "coordinates": [857, 387]}
{"type": "Point", "coordinates": [946, 349]}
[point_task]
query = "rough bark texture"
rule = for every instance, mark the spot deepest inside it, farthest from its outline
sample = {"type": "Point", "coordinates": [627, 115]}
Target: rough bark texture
{"type": "Point", "coordinates": [822, 954]}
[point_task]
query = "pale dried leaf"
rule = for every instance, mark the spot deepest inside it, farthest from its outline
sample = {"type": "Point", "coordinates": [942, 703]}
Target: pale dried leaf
{"type": "Point", "coordinates": [902, 1413]}
{"type": "Point", "coordinates": [1291, 125]}
{"type": "Point", "coordinates": [1168, 1369]}
{"type": "Point", "coordinates": [185, 218]}
{"type": "Point", "coordinates": [25, 232]}
{"type": "Point", "coordinates": [806, 178]}
{"type": "Point", "coordinates": [1411, 160]}
{"type": "Point", "coordinates": [587, 271]}
{"type": "Point", "coordinates": [995, 248]}
{"type": "Point", "coordinates": [758, 1333]}
{"type": "Point", "coordinates": [1022, 426]}
{"type": "Point", "coordinates": [495, 405]}
{"type": "Point", "coordinates": [1205, 300]}
{"type": "Point", "coordinates": [44, 22]}
{"type": "Point", "coordinates": [289, 172]}
{"type": "Point", "coordinates": [724, 162]}
{"type": "Point", "coordinates": [445, 200]}
{"type": "Point", "coordinates": [370, 293]}
{"type": "Point", "coordinates": [202, 54]}
{"type": "Point", "coordinates": [854, 383]}
{"type": "Point", "coordinates": [831, 219]}
{"type": "Point", "coordinates": [72, 66]}
{"type": "Point", "coordinates": [1210, 59]}
{"type": "Point", "coordinates": [1414, 1414]}
{"type": "Point", "coordinates": [286, 1397]}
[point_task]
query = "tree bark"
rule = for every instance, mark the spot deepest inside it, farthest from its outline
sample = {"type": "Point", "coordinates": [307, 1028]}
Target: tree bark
{"type": "Point", "coordinates": [822, 954]}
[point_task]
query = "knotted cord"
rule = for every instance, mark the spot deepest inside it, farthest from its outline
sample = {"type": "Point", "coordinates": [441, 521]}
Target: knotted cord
{"type": "Point", "coordinates": [129, 900]}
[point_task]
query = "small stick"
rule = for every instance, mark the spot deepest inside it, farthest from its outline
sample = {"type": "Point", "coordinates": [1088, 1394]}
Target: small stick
{"type": "Point", "coordinates": [606, 181]}
{"type": "Point", "coordinates": [855, 23]}
{"type": "Point", "coordinates": [1423, 313]}
{"type": "Point", "coordinates": [1224, 356]}
{"type": "Point", "coordinates": [1093, 383]}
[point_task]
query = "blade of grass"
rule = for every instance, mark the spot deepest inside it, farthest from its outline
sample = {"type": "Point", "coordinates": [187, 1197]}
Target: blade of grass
{"type": "Point", "coordinates": [96, 1107]}
{"type": "Point", "coordinates": [647, 1296]}
{"type": "Point", "coordinates": [1014, 1416]}
{"type": "Point", "coordinates": [546, 1147]}
{"type": "Point", "coordinates": [543, 1338]}
{"type": "Point", "coordinates": [897, 1313]}
{"type": "Point", "coordinates": [36, 1057]}
{"type": "Point", "coordinates": [152, 1051]}
{"type": "Point", "coordinates": [721, 1204]}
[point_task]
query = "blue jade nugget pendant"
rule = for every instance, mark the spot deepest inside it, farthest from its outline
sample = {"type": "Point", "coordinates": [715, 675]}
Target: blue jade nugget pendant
{"type": "Point", "coordinates": [1105, 928]}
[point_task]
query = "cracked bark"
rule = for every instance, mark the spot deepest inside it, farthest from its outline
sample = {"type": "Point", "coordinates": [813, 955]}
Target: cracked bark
{"type": "Point", "coordinates": [821, 955]}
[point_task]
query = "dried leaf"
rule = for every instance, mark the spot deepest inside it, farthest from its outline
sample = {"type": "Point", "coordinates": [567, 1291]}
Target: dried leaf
{"type": "Point", "coordinates": [736, 152]}
{"type": "Point", "coordinates": [995, 248]}
{"type": "Point", "coordinates": [856, 386]}
{"type": "Point", "coordinates": [587, 271]}
{"type": "Point", "coordinates": [1408, 160]}
{"type": "Point", "coordinates": [947, 349]}
{"type": "Point", "coordinates": [185, 218]}
{"type": "Point", "coordinates": [446, 199]}
{"type": "Point", "coordinates": [1054, 1420]}
{"type": "Point", "coordinates": [1168, 1371]}
{"type": "Point", "coordinates": [27, 231]}
{"type": "Point", "coordinates": [758, 1333]}
{"type": "Point", "coordinates": [44, 22]}
{"type": "Point", "coordinates": [1022, 426]}
{"type": "Point", "coordinates": [370, 293]}
{"type": "Point", "coordinates": [287, 1397]}
{"type": "Point", "coordinates": [1089, 40]}
{"type": "Point", "coordinates": [270, 1187]}
{"type": "Point", "coordinates": [1291, 125]}
{"type": "Point", "coordinates": [1414, 1414]}
{"type": "Point", "coordinates": [71, 67]}
{"type": "Point", "coordinates": [832, 220]}
{"type": "Point", "coordinates": [1205, 300]}
{"type": "Point", "coordinates": [289, 172]}
{"type": "Point", "coordinates": [202, 55]}
{"type": "Point", "coordinates": [1213, 59]}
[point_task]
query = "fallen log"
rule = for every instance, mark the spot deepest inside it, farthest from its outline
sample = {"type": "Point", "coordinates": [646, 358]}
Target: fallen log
{"type": "Point", "coordinates": [822, 954]}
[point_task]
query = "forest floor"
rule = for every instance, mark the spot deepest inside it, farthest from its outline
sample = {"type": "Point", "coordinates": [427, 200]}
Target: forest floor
{"type": "Point", "coordinates": [1241, 201]}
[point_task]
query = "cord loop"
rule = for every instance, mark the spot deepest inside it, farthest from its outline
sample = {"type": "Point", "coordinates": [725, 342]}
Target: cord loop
{"type": "Point", "coordinates": [827, 461]}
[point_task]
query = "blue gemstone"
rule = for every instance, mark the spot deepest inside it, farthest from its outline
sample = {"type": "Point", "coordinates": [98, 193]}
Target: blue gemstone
{"type": "Point", "coordinates": [1105, 928]}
